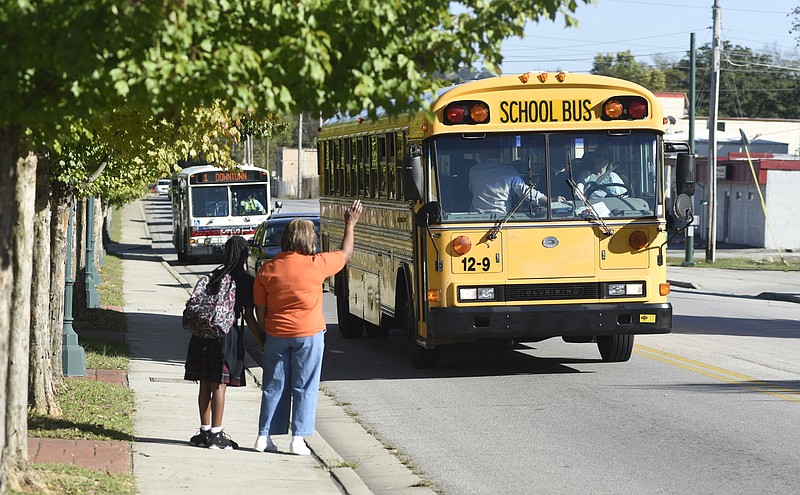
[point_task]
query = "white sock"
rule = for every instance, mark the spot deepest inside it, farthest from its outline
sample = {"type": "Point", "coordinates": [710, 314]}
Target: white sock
{"type": "Point", "coordinates": [216, 429]}
{"type": "Point", "coordinates": [205, 427]}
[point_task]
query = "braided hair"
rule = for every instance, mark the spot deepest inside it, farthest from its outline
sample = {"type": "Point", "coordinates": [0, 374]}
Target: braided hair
{"type": "Point", "coordinates": [235, 253]}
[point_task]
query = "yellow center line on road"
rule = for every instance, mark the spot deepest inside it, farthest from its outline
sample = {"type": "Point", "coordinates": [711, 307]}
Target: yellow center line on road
{"type": "Point", "coordinates": [717, 373]}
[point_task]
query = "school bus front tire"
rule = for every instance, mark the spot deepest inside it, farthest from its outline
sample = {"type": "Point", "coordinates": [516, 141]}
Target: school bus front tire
{"type": "Point", "coordinates": [615, 348]}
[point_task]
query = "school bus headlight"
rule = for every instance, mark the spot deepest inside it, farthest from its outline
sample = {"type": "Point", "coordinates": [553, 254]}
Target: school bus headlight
{"type": "Point", "coordinates": [634, 289]}
{"type": "Point", "coordinates": [616, 289]}
{"type": "Point", "coordinates": [462, 244]}
{"type": "Point", "coordinates": [485, 293]}
{"type": "Point", "coordinates": [468, 293]}
{"type": "Point", "coordinates": [476, 293]}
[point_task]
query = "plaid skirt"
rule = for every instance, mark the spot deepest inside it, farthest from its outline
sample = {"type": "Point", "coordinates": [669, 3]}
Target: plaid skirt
{"type": "Point", "coordinates": [216, 360]}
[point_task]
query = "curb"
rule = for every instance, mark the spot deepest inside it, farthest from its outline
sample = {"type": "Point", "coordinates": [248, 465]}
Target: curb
{"type": "Point", "coordinates": [780, 296]}
{"type": "Point", "coordinates": [685, 285]}
{"type": "Point", "coordinates": [347, 478]}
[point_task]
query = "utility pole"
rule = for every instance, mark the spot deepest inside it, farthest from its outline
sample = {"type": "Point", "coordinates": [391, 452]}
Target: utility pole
{"type": "Point", "coordinates": [713, 109]}
{"type": "Point", "coordinates": [300, 157]}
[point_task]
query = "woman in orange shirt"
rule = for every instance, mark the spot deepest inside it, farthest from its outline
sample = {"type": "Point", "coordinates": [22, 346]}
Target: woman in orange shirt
{"type": "Point", "coordinates": [288, 299]}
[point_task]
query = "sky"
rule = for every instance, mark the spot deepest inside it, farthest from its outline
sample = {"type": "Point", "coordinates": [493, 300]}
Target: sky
{"type": "Point", "coordinates": [648, 28]}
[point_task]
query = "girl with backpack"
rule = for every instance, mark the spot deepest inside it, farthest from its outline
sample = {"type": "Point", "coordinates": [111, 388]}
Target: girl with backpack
{"type": "Point", "coordinates": [218, 362]}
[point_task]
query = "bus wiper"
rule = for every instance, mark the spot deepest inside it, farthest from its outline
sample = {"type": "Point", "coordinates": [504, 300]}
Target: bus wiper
{"type": "Point", "coordinates": [575, 190]}
{"type": "Point", "coordinates": [492, 235]}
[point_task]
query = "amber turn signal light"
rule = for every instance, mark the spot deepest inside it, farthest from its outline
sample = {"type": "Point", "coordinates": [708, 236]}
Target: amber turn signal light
{"type": "Point", "coordinates": [462, 244]}
{"type": "Point", "coordinates": [637, 240]}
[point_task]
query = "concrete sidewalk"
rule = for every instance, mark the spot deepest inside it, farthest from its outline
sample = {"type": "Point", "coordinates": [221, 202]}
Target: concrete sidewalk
{"type": "Point", "coordinates": [774, 285]}
{"type": "Point", "coordinates": [166, 405]}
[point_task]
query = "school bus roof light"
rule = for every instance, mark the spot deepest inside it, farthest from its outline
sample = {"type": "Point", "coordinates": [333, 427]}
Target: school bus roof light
{"type": "Point", "coordinates": [542, 76]}
{"type": "Point", "coordinates": [637, 109]}
{"type": "Point", "coordinates": [479, 112]}
{"type": "Point", "coordinates": [462, 244]}
{"type": "Point", "coordinates": [637, 240]}
{"type": "Point", "coordinates": [625, 108]}
{"type": "Point", "coordinates": [561, 76]}
{"type": "Point", "coordinates": [466, 112]}
{"type": "Point", "coordinates": [455, 113]}
{"type": "Point", "coordinates": [612, 109]}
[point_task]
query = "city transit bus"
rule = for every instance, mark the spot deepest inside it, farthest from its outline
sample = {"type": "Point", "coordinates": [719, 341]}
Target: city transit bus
{"type": "Point", "coordinates": [564, 257]}
{"type": "Point", "coordinates": [210, 204]}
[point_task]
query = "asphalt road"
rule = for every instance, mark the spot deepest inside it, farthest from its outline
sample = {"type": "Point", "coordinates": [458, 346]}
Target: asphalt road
{"type": "Point", "coordinates": [713, 407]}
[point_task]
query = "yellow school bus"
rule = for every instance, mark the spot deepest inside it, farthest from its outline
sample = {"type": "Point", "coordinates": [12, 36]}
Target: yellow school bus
{"type": "Point", "coordinates": [529, 207]}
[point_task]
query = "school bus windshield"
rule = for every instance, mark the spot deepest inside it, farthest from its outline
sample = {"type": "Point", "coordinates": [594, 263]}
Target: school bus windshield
{"type": "Point", "coordinates": [547, 176]}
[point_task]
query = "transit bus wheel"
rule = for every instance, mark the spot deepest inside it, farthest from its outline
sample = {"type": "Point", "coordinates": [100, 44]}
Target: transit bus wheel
{"type": "Point", "coordinates": [615, 348]}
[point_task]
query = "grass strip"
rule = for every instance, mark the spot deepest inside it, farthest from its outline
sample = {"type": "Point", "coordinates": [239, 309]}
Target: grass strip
{"type": "Point", "coordinates": [73, 480]}
{"type": "Point", "coordinates": [768, 263]}
{"type": "Point", "coordinates": [92, 410]}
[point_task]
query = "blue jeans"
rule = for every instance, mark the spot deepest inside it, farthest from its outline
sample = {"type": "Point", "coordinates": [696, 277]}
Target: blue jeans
{"type": "Point", "coordinates": [291, 378]}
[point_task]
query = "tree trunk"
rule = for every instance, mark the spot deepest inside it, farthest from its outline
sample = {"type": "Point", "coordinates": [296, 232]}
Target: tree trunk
{"type": "Point", "coordinates": [42, 392]}
{"type": "Point", "coordinates": [59, 202]}
{"type": "Point", "coordinates": [19, 338]}
{"type": "Point", "coordinates": [8, 152]}
{"type": "Point", "coordinates": [99, 215]}
{"type": "Point", "coordinates": [79, 247]}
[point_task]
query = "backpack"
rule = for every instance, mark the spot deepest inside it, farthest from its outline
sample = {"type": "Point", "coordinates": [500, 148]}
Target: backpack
{"type": "Point", "coordinates": [209, 316]}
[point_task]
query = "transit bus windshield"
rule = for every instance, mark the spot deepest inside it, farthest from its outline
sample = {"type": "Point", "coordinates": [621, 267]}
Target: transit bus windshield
{"type": "Point", "coordinates": [210, 204]}
{"type": "Point", "coordinates": [616, 174]}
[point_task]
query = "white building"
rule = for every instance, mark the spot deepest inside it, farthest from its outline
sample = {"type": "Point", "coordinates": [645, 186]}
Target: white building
{"type": "Point", "coordinates": [774, 147]}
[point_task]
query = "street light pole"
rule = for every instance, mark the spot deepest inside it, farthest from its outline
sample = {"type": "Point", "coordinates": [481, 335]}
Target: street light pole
{"type": "Point", "coordinates": [689, 260]}
{"type": "Point", "coordinates": [73, 356]}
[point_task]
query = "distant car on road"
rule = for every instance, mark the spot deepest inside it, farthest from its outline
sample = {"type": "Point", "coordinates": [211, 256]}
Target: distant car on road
{"type": "Point", "coordinates": [162, 186]}
{"type": "Point", "coordinates": [266, 242]}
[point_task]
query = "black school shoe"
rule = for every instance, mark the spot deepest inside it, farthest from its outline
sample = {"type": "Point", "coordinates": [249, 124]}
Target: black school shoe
{"type": "Point", "coordinates": [201, 439]}
{"type": "Point", "coordinates": [221, 441]}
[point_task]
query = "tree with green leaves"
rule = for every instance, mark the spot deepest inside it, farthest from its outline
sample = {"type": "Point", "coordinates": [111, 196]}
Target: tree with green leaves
{"type": "Point", "coordinates": [95, 86]}
{"type": "Point", "coordinates": [623, 65]}
{"type": "Point", "coordinates": [752, 84]}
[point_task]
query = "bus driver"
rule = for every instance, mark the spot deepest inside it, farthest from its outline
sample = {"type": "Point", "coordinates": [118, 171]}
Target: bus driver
{"type": "Point", "coordinates": [252, 205]}
{"type": "Point", "coordinates": [491, 182]}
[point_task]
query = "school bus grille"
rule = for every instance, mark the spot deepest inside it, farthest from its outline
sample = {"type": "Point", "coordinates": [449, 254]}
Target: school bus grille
{"type": "Point", "coordinates": [541, 292]}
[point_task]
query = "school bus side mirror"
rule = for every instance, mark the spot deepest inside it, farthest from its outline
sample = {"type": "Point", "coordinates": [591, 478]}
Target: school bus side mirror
{"type": "Point", "coordinates": [684, 174]}
{"type": "Point", "coordinates": [429, 214]}
{"type": "Point", "coordinates": [413, 176]}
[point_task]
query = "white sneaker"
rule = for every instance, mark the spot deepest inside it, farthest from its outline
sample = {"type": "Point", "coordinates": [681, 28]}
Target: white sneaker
{"type": "Point", "coordinates": [299, 447]}
{"type": "Point", "coordinates": [264, 443]}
